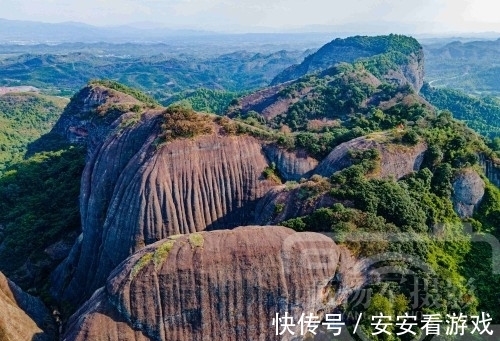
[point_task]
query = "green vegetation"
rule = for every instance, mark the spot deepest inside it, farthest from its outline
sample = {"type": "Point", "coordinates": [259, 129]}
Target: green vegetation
{"type": "Point", "coordinates": [183, 122]}
{"type": "Point", "coordinates": [272, 173]}
{"type": "Point", "coordinates": [137, 94]}
{"type": "Point", "coordinates": [161, 72]}
{"type": "Point", "coordinates": [196, 240]}
{"type": "Point", "coordinates": [38, 207]}
{"type": "Point", "coordinates": [418, 209]}
{"type": "Point", "coordinates": [161, 253]}
{"type": "Point", "coordinates": [479, 113]}
{"type": "Point", "coordinates": [141, 264]}
{"type": "Point", "coordinates": [204, 100]}
{"type": "Point", "coordinates": [24, 117]}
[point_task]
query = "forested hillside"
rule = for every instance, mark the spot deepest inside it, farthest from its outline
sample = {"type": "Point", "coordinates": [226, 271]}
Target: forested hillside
{"type": "Point", "coordinates": [24, 117]}
{"type": "Point", "coordinates": [116, 221]}
{"type": "Point", "coordinates": [472, 67]}
{"type": "Point", "coordinates": [479, 113]}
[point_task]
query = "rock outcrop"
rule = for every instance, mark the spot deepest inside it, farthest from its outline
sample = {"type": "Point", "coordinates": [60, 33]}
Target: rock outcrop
{"type": "Point", "coordinates": [136, 191]}
{"type": "Point", "coordinates": [22, 317]}
{"type": "Point", "coordinates": [219, 285]}
{"type": "Point", "coordinates": [291, 165]}
{"type": "Point", "coordinates": [468, 191]}
{"type": "Point", "coordinates": [293, 200]}
{"type": "Point", "coordinates": [89, 116]}
{"type": "Point", "coordinates": [395, 160]}
{"type": "Point", "coordinates": [491, 169]}
{"type": "Point", "coordinates": [352, 49]}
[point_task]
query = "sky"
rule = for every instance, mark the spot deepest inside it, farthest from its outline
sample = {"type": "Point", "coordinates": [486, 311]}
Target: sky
{"type": "Point", "coordinates": [405, 16]}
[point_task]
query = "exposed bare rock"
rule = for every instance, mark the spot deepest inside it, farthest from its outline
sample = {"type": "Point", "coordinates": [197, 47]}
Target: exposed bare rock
{"type": "Point", "coordinates": [395, 160]}
{"type": "Point", "coordinates": [293, 165]}
{"type": "Point", "coordinates": [89, 116]}
{"type": "Point", "coordinates": [468, 191]}
{"type": "Point", "coordinates": [354, 48]}
{"type": "Point", "coordinates": [220, 285]}
{"type": "Point", "coordinates": [411, 73]}
{"type": "Point", "coordinates": [22, 317]}
{"type": "Point", "coordinates": [293, 200]}
{"type": "Point", "coordinates": [491, 169]}
{"type": "Point", "coordinates": [269, 103]}
{"type": "Point", "coordinates": [135, 193]}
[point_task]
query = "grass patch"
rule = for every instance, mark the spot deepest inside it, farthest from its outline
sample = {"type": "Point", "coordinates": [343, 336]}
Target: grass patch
{"type": "Point", "coordinates": [161, 253]}
{"type": "Point", "coordinates": [196, 240]}
{"type": "Point", "coordinates": [141, 263]}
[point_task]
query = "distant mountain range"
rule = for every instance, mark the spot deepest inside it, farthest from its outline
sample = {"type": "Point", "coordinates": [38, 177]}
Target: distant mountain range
{"type": "Point", "coordinates": [31, 32]}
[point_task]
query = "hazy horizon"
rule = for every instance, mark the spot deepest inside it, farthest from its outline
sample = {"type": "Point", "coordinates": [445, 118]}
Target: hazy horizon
{"type": "Point", "coordinates": [376, 16]}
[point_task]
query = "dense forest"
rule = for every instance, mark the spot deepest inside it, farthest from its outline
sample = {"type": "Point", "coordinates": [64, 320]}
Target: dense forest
{"type": "Point", "coordinates": [24, 117]}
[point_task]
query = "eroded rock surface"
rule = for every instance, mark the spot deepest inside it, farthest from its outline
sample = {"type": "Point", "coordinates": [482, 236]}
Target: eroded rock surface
{"type": "Point", "coordinates": [22, 317]}
{"type": "Point", "coordinates": [395, 160]}
{"type": "Point", "coordinates": [292, 165]}
{"type": "Point", "coordinates": [468, 191]}
{"type": "Point", "coordinates": [135, 192]}
{"type": "Point", "coordinates": [293, 200]}
{"type": "Point", "coordinates": [219, 285]}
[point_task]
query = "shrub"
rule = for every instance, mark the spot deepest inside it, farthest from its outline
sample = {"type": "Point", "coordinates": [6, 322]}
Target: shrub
{"type": "Point", "coordinates": [181, 121]}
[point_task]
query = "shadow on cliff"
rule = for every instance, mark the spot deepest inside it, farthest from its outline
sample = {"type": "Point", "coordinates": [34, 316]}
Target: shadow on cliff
{"type": "Point", "coordinates": [239, 216]}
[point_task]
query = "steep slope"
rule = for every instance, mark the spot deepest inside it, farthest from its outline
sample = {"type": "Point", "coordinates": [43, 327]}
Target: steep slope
{"type": "Point", "coordinates": [22, 317]}
{"type": "Point", "coordinates": [221, 285]}
{"type": "Point", "coordinates": [401, 57]}
{"type": "Point", "coordinates": [479, 113]}
{"type": "Point", "coordinates": [137, 190]}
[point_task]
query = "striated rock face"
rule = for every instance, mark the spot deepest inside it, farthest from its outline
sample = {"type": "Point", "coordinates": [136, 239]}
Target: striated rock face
{"type": "Point", "coordinates": [411, 73]}
{"type": "Point", "coordinates": [395, 160]}
{"type": "Point", "coordinates": [292, 166]}
{"type": "Point", "coordinates": [135, 193]}
{"type": "Point", "coordinates": [468, 191]}
{"type": "Point", "coordinates": [220, 285]}
{"type": "Point", "coordinates": [22, 317]}
{"type": "Point", "coordinates": [491, 170]}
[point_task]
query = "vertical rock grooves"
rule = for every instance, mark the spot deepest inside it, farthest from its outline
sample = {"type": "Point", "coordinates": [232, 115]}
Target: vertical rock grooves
{"type": "Point", "coordinates": [135, 193]}
{"type": "Point", "coordinates": [219, 285]}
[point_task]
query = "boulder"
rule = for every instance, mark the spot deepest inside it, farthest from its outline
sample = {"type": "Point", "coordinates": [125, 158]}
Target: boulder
{"type": "Point", "coordinates": [395, 160]}
{"type": "Point", "coordinates": [468, 191]}
{"type": "Point", "coordinates": [219, 285]}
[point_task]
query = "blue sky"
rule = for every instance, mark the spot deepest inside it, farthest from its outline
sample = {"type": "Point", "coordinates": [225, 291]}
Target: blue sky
{"type": "Point", "coordinates": [422, 16]}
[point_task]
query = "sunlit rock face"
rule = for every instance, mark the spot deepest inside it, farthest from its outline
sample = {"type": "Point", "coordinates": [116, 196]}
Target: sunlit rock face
{"type": "Point", "coordinates": [219, 285]}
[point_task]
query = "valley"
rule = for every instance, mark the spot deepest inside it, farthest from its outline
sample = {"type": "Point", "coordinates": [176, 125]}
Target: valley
{"type": "Point", "coordinates": [180, 198]}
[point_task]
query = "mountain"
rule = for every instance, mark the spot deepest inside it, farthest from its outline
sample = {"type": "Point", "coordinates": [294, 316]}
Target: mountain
{"type": "Point", "coordinates": [393, 51]}
{"type": "Point", "coordinates": [33, 32]}
{"type": "Point", "coordinates": [238, 278]}
{"type": "Point", "coordinates": [471, 67]}
{"type": "Point", "coordinates": [159, 74]}
{"type": "Point", "coordinates": [370, 183]}
{"type": "Point", "coordinates": [480, 113]}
